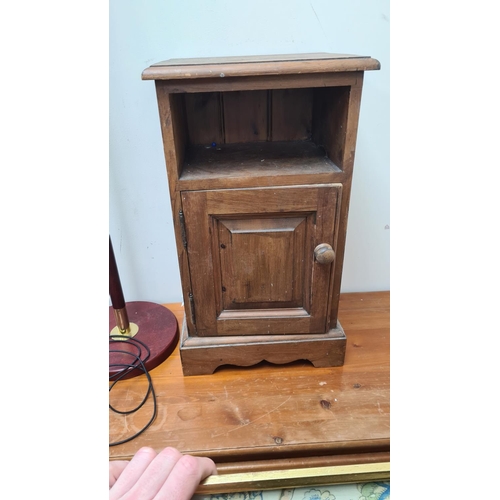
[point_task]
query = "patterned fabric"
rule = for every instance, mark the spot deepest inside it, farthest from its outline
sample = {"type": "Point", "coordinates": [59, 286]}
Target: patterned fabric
{"type": "Point", "coordinates": [360, 491]}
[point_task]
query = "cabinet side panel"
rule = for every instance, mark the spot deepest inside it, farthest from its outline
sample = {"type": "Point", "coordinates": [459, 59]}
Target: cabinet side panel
{"type": "Point", "coordinates": [330, 121]}
{"type": "Point", "coordinates": [183, 262]}
{"type": "Point", "coordinates": [174, 134]}
{"type": "Point", "coordinates": [199, 247]}
{"type": "Point", "coordinates": [348, 163]}
{"type": "Point", "coordinates": [179, 129]}
{"type": "Point", "coordinates": [352, 121]}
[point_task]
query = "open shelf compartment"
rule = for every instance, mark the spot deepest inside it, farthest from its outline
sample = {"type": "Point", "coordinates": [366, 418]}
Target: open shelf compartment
{"type": "Point", "coordinates": [261, 134]}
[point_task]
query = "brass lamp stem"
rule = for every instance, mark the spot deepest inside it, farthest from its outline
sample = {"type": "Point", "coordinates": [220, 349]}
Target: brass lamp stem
{"type": "Point", "coordinates": [122, 321]}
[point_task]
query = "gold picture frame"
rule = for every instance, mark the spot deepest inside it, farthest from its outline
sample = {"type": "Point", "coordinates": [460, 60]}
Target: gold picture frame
{"type": "Point", "coordinates": [295, 478]}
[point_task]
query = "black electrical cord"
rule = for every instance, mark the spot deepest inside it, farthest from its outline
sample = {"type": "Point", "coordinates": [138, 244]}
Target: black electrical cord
{"type": "Point", "coordinates": [138, 363]}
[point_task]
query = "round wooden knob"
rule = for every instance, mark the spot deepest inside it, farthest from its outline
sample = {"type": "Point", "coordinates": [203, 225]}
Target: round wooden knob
{"type": "Point", "coordinates": [324, 253]}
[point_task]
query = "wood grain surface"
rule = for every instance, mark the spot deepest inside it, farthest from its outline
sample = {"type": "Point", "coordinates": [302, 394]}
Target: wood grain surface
{"type": "Point", "coordinates": [275, 65]}
{"type": "Point", "coordinates": [270, 416]}
{"type": "Point", "coordinates": [252, 205]}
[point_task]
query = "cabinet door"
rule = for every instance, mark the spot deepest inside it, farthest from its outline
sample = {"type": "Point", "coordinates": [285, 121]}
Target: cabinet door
{"type": "Point", "coordinates": [251, 258]}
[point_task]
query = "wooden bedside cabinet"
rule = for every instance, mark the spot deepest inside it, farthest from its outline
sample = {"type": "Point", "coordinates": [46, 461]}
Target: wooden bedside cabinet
{"type": "Point", "coordinates": [259, 154]}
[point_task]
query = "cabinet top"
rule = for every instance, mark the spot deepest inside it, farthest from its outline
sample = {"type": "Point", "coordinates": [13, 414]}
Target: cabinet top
{"type": "Point", "coordinates": [214, 67]}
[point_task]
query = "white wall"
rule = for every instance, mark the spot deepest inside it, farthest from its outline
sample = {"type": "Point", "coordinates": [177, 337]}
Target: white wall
{"type": "Point", "coordinates": [142, 33]}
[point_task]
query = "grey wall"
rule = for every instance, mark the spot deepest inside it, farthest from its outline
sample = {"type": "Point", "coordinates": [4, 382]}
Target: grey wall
{"type": "Point", "coordinates": [142, 33]}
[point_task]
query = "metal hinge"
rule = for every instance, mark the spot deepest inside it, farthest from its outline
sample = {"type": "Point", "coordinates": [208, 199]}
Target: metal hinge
{"type": "Point", "coordinates": [191, 305]}
{"type": "Point", "coordinates": [183, 229]}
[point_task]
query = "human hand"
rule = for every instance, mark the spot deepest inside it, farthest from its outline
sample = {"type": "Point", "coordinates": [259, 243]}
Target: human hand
{"type": "Point", "coordinates": [168, 475]}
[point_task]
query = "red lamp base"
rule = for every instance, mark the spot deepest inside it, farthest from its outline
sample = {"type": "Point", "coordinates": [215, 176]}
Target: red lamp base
{"type": "Point", "coordinates": [157, 329]}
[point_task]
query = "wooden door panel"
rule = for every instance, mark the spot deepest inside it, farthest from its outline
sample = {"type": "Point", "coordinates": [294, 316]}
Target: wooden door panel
{"type": "Point", "coordinates": [261, 262]}
{"type": "Point", "coordinates": [251, 257]}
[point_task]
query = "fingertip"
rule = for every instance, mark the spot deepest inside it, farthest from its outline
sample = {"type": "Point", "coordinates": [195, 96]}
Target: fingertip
{"type": "Point", "coordinates": [209, 467]}
{"type": "Point", "coordinates": [146, 450]}
{"type": "Point", "coordinates": [172, 453]}
{"type": "Point", "coordinates": [214, 467]}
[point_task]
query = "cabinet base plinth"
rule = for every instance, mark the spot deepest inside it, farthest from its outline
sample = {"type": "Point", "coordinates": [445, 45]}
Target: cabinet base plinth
{"type": "Point", "coordinates": [202, 355]}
